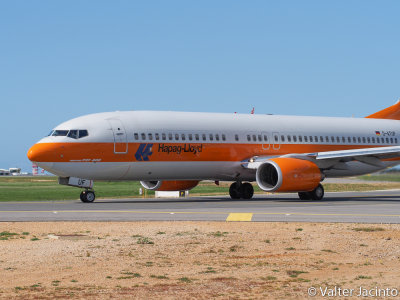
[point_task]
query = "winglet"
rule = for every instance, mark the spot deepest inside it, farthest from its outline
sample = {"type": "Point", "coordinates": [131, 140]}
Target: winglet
{"type": "Point", "coordinates": [391, 112]}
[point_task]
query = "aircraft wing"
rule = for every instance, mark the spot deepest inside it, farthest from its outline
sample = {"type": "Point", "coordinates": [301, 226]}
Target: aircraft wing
{"type": "Point", "coordinates": [336, 159]}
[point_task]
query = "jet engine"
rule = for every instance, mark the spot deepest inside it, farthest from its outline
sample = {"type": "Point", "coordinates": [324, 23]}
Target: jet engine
{"type": "Point", "coordinates": [169, 185]}
{"type": "Point", "coordinates": [286, 174]}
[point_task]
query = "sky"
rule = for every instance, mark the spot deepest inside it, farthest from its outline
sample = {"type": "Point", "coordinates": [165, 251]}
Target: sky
{"type": "Point", "coordinates": [63, 59]}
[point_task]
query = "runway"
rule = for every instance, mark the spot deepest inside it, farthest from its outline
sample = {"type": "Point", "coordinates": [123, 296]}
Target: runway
{"type": "Point", "coordinates": [362, 207]}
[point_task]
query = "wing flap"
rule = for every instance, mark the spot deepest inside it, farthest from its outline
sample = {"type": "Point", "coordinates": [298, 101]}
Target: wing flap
{"type": "Point", "coordinates": [378, 152]}
{"type": "Point", "coordinates": [336, 159]}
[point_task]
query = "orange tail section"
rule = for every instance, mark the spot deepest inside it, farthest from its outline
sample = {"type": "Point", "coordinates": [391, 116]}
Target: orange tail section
{"type": "Point", "coordinates": [392, 112]}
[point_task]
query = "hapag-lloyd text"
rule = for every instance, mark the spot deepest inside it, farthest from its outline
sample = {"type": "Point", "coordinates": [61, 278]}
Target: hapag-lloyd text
{"type": "Point", "coordinates": [180, 149]}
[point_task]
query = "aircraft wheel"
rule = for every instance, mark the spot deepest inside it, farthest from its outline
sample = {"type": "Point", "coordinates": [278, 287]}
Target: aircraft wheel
{"type": "Point", "coordinates": [246, 191]}
{"type": "Point", "coordinates": [87, 196]}
{"type": "Point", "coordinates": [317, 193]}
{"type": "Point", "coordinates": [304, 196]}
{"type": "Point", "coordinates": [234, 191]}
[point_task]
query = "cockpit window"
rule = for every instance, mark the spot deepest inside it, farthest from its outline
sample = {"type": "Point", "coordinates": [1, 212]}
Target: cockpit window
{"type": "Point", "coordinates": [73, 133]}
{"type": "Point", "coordinates": [51, 132]}
{"type": "Point", "coordinates": [83, 133]}
{"type": "Point", "coordinates": [60, 133]}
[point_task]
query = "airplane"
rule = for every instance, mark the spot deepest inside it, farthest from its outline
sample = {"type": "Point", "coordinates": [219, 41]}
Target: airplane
{"type": "Point", "coordinates": [174, 151]}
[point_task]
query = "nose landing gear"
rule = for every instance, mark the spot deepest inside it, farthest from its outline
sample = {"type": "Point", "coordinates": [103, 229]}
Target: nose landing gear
{"type": "Point", "coordinates": [239, 190]}
{"type": "Point", "coordinates": [87, 196]}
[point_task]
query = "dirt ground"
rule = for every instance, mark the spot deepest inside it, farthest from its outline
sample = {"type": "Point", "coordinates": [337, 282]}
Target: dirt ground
{"type": "Point", "coordinates": [196, 260]}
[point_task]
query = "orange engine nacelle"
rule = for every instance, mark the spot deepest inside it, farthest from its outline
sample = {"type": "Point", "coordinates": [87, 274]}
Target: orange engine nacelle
{"type": "Point", "coordinates": [169, 185]}
{"type": "Point", "coordinates": [287, 174]}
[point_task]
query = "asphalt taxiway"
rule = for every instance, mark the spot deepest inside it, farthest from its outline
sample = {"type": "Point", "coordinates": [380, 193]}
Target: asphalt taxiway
{"type": "Point", "coordinates": [362, 207]}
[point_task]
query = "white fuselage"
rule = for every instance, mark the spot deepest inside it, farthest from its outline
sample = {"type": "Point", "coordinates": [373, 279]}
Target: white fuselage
{"type": "Point", "coordinates": [153, 145]}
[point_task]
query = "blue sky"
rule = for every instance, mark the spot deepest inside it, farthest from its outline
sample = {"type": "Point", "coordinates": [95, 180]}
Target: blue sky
{"type": "Point", "coordinates": [62, 59]}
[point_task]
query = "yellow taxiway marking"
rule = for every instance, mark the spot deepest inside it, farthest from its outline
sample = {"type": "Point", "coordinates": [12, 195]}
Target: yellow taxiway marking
{"type": "Point", "coordinates": [241, 217]}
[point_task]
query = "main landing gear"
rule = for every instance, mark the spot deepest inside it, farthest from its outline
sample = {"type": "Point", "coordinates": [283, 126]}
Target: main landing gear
{"type": "Point", "coordinates": [239, 190]}
{"type": "Point", "coordinates": [87, 196]}
{"type": "Point", "coordinates": [316, 194]}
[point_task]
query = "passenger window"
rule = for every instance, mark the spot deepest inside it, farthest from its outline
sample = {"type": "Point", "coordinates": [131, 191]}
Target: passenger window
{"type": "Point", "coordinates": [282, 138]}
{"type": "Point", "coordinates": [183, 136]}
{"type": "Point", "coordinates": [368, 140]}
{"type": "Point", "coordinates": [311, 139]}
{"type": "Point", "coordinates": [305, 139]}
{"type": "Point", "coordinates": [217, 137]}
{"type": "Point", "coordinates": [321, 139]}
{"type": "Point", "coordinates": [265, 138]}
{"type": "Point", "coordinates": [157, 136]}
{"type": "Point", "coordinates": [316, 139]}
{"type": "Point", "coordinates": [196, 136]}
{"type": "Point", "coordinates": [289, 138]}
{"type": "Point", "coordinates": [343, 140]}
{"type": "Point", "coordinates": [176, 136]}
{"type": "Point", "coordinates": [211, 137]}
{"type": "Point", "coordinates": [150, 136]}
{"type": "Point", "coordinates": [259, 138]}
{"type": "Point", "coordinates": [391, 140]}
{"type": "Point", "coordinates": [300, 138]}
{"type": "Point", "coordinates": [223, 137]}
{"type": "Point", "coordinates": [349, 140]}
{"type": "Point", "coordinates": [327, 139]}
{"type": "Point", "coordinates": [332, 139]}
{"type": "Point", "coordinates": [276, 138]}
{"type": "Point", "coordinates": [254, 138]}
{"type": "Point", "coordinates": [163, 136]}
{"type": "Point", "coordinates": [170, 136]}
{"type": "Point", "coordinates": [354, 139]}
{"type": "Point", "coordinates": [236, 137]}
{"type": "Point", "coordinates": [387, 140]}
{"type": "Point", "coordinates": [363, 139]}
{"type": "Point", "coordinates": [338, 139]}
{"type": "Point", "coordinates": [373, 140]}
{"type": "Point", "coordinates": [248, 137]}
{"type": "Point", "coordinates": [136, 136]}
{"type": "Point", "coordinates": [143, 136]}
{"type": "Point", "coordinates": [190, 137]}
{"type": "Point", "coordinates": [395, 140]}
{"type": "Point", "coordinates": [294, 139]}
{"type": "Point", "coordinates": [204, 137]}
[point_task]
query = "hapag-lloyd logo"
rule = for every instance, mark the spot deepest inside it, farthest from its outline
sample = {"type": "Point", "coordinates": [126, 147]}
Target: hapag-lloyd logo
{"type": "Point", "coordinates": [180, 149]}
{"type": "Point", "coordinates": [143, 152]}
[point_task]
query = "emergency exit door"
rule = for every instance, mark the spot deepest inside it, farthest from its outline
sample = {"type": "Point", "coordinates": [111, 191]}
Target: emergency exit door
{"type": "Point", "coordinates": [276, 140]}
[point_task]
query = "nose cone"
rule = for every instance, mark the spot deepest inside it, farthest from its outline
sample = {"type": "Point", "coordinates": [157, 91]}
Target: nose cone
{"type": "Point", "coordinates": [40, 153]}
{"type": "Point", "coordinates": [33, 153]}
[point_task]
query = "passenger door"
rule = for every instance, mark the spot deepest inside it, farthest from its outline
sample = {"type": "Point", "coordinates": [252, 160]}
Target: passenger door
{"type": "Point", "coordinates": [120, 139]}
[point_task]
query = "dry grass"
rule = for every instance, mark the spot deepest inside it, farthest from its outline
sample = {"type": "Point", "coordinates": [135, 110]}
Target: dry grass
{"type": "Point", "coordinates": [92, 260]}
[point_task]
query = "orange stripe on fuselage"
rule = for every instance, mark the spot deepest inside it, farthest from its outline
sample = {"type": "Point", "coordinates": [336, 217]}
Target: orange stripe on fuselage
{"type": "Point", "coordinates": [104, 152]}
